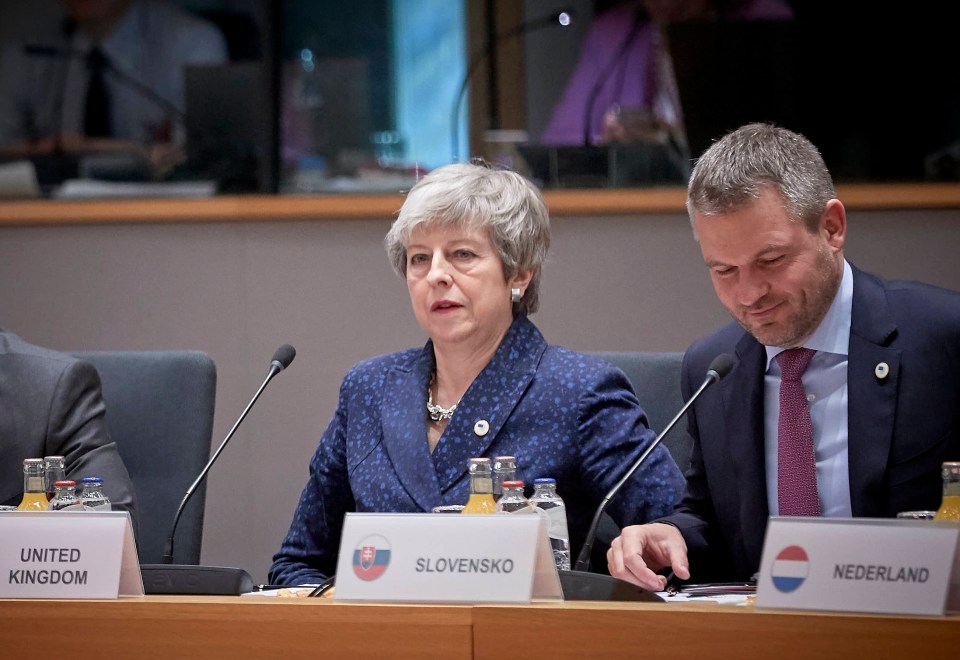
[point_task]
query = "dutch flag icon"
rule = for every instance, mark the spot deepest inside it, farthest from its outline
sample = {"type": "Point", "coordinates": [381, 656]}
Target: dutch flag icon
{"type": "Point", "coordinates": [790, 568]}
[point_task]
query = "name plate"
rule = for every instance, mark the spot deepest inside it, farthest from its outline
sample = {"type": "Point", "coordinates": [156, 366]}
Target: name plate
{"type": "Point", "coordinates": [859, 565]}
{"type": "Point", "coordinates": [68, 554]}
{"type": "Point", "coordinates": [429, 557]}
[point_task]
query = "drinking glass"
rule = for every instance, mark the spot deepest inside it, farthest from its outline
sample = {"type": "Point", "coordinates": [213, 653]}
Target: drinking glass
{"type": "Point", "coordinates": [448, 508]}
{"type": "Point", "coordinates": [917, 515]}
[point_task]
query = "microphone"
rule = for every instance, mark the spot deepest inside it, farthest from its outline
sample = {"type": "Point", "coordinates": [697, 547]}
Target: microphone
{"type": "Point", "coordinates": [68, 28]}
{"type": "Point", "coordinates": [584, 585]}
{"type": "Point", "coordinates": [562, 18]}
{"type": "Point", "coordinates": [170, 578]}
{"type": "Point", "coordinates": [41, 50]}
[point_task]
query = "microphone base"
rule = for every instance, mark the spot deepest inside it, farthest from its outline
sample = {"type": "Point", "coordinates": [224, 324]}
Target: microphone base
{"type": "Point", "coordinates": [580, 585]}
{"type": "Point", "coordinates": [184, 579]}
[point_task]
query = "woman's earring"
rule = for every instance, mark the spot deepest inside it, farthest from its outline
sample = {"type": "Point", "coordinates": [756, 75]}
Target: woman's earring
{"type": "Point", "coordinates": [515, 295]}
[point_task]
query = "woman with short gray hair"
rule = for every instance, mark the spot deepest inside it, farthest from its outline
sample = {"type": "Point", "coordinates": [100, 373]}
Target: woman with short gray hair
{"type": "Point", "coordinates": [470, 241]}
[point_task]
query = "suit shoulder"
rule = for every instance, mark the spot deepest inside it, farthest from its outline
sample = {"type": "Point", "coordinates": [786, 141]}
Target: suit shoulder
{"type": "Point", "coordinates": [41, 373]}
{"type": "Point", "coordinates": [921, 298]}
{"type": "Point", "coordinates": [558, 358]}
{"type": "Point", "coordinates": [564, 368]}
{"type": "Point", "coordinates": [923, 314]}
{"type": "Point", "coordinates": [13, 349]}
{"type": "Point", "coordinates": [371, 371]}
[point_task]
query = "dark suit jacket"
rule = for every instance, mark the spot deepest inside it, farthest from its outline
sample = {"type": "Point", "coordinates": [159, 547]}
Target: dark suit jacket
{"type": "Point", "coordinates": [563, 414]}
{"type": "Point", "coordinates": [50, 405]}
{"type": "Point", "coordinates": [901, 428]}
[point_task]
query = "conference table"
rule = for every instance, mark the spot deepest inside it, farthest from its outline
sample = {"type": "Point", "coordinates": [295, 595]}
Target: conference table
{"type": "Point", "coordinates": [263, 627]}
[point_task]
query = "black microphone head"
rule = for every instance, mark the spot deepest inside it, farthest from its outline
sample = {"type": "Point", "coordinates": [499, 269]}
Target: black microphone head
{"type": "Point", "coordinates": [721, 366]}
{"type": "Point", "coordinates": [283, 356]}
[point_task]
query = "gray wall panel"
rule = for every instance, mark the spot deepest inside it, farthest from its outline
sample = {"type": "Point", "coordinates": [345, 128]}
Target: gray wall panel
{"type": "Point", "coordinates": [238, 291]}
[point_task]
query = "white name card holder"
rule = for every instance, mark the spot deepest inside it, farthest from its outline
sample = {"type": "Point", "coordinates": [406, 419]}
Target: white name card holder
{"type": "Point", "coordinates": [429, 557]}
{"type": "Point", "coordinates": [68, 554]}
{"type": "Point", "coordinates": [876, 565]}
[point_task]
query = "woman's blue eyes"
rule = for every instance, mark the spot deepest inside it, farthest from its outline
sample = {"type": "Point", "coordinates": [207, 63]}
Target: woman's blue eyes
{"type": "Point", "coordinates": [417, 259]}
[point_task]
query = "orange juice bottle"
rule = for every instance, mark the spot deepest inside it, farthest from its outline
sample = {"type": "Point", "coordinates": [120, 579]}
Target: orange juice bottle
{"type": "Point", "coordinates": [34, 491]}
{"type": "Point", "coordinates": [950, 506]}
{"type": "Point", "coordinates": [481, 487]}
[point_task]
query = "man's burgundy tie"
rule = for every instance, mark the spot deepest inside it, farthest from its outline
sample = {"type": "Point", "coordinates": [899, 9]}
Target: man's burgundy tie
{"type": "Point", "coordinates": [796, 464]}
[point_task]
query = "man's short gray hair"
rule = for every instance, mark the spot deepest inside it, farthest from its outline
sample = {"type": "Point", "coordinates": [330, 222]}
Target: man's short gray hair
{"type": "Point", "coordinates": [739, 166]}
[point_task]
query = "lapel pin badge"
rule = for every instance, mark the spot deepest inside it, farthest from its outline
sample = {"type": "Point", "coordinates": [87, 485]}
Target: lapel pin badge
{"type": "Point", "coordinates": [882, 370]}
{"type": "Point", "coordinates": [481, 427]}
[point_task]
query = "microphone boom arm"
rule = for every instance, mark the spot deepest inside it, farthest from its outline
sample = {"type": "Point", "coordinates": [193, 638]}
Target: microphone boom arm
{"type": "Point", "coordinates": [583, 559]}
{"type": "Point", "coordinates": [275, 368]}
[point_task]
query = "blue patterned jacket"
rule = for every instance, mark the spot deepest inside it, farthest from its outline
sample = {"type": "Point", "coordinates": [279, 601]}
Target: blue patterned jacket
{"type": "Point", "coordinates": [563, 414]}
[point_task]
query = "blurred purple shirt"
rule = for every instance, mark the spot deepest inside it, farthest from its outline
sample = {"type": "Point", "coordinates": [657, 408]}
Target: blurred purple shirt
{"type": "Point", "coordinates": [628, 70]}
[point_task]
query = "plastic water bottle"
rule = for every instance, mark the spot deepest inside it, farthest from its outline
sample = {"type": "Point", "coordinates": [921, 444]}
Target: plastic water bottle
{"type": "Point", "coordinates": [54, 470]}
{"type": "Point", "coordinates": [545, 497]}
{"type": "Point", "coordinates": [65, 497]}
{"type": "Point", "coordinates": [513, 498]}
{"type": "Point", "coordinates": [93, 497]}
{"type": "Point", "coordinates": [504, 469]}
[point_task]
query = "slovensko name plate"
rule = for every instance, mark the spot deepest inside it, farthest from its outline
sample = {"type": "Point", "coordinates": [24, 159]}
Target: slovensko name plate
{"type": "Point", "coordinates": [860, 565]}
{"type": "Point", "coordinates": [429, 557]}
{"type": "Point", "coordinates": [68, 554]}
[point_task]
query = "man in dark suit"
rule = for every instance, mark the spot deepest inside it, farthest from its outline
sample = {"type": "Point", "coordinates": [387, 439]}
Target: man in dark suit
{"type": "Point", "coordinates": [51, 405]}
{"type": "Point", "coordinates": [877, 385]}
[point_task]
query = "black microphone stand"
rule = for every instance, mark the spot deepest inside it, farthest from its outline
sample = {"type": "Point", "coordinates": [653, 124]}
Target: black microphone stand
{"type": "Point", "coordinates": [170, 578]}
{"type": "Point", "coordinates": [583, 559]}
{"type": "Point", "coordinates": [579, 583]}
{"type": "Point", "coordinates": [275, 368]}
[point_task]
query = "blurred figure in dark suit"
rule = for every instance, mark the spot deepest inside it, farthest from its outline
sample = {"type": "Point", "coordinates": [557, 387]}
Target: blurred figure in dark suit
{"type": "Point", "coordinates": [110, 75]}
{"type": "Point", "coordinates": [51, 405]}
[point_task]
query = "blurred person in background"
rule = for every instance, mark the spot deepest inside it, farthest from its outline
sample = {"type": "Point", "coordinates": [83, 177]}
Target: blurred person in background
{"type": "Point", "coordinates": [108, 77]}
{"type": "Point", "coordinates": [51, 405]}
{"type": "Point", "coordinates": [623, 88]}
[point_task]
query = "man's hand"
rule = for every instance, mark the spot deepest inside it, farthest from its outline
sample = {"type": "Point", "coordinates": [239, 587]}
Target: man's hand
{"type": "Point", "coordinates": [641, 550]}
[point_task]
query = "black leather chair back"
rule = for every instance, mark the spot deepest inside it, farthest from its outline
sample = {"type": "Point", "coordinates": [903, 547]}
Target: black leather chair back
{"type": "Point", "coordinates": [160, 408]}
{"type": "Point", "coordinates": [656, 380]}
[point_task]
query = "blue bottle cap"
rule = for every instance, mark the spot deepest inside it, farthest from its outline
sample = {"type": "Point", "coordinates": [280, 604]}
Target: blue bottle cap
{"type": "Point", "coordinates": [544, 480]}
{"type": "Point", "coordinates": [91, 480]}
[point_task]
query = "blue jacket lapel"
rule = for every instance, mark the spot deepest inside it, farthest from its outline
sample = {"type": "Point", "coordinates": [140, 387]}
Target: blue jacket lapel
{"type": "Point", "coordinates": [404, 419]}
{"type": "Point", "coordinates": [872, 402]}
{"type": "Point", "coordinates": [492, 397]}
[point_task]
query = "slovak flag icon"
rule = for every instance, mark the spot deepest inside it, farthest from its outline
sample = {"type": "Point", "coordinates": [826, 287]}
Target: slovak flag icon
{"type": "Point", "coordinates": [790, 568]}
{"type": "Point", "coordinates": [371, 558]}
